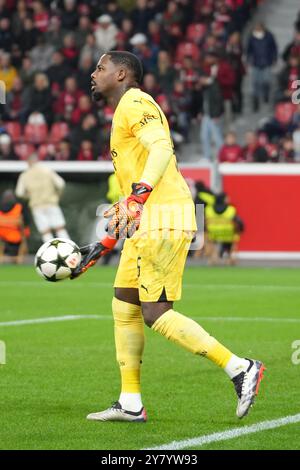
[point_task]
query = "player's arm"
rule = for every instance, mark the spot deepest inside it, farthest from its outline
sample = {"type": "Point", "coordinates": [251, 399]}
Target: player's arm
{"type": "Point", "coordinates": [20, 188]}
{"type": "Point", "coordinates": [58, 182]}
{"type": "Point", "coordinates": [145, 122]}
{"type": "Point", "coordinates": [239, 224]}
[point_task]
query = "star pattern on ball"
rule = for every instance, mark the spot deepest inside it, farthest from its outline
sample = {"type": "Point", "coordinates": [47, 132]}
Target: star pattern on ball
{"type": "Point", "coordinates": [60, 262]}
{"type": "Point", "coordinates": [39, 262]}
{"type": "Point", "coordinates": [51, 279]}
{"type": "Point", "coordinates": [55, 243]}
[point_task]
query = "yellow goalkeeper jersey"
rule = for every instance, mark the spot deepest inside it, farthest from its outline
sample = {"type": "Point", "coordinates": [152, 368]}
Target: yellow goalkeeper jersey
{"type": "Point", "coordinates": [138, 123]}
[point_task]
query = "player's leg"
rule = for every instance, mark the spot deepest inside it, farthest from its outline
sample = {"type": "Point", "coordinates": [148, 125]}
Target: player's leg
{"type": "Point", "coordinates": [266, 83]}
{"type": "Point", "coordinates": [10, 252]}
{"type": "Point", "coordinates": [246, 374]}
{"type": "Point", "coordinates": [187, 333]}
{"type": "Point", "coordinates": [57, 221]}
{"type": "Point", "coordinates": [214, 258]}
{"type": "Point", "coordinates": [129, 340]}
{"type": "Point", "coordinates": [46, 236]}
{"type": "Point", "coordinates": [158, 288]}
{"type": "Point", "coordinates": [205, 137]}
{"type": "Point", "coordinates": [42, 223]}
{"type": "Point", "coordinates": [227, 253]}
{"type": "Point", "coordinates": [2, 242]}
{"type": "Point", "coordinates": [256, 87]}
{"type": "Point", "coordinates": [61, 232]}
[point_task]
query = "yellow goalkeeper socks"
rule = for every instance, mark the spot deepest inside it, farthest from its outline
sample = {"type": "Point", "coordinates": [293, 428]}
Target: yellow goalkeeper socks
{"type": "Point", "coordinates": [191, 336]}
{"type": "Point", "coordinates": [129, 339]}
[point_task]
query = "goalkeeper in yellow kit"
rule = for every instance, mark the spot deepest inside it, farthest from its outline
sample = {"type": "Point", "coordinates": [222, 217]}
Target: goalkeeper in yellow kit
{"type": "Point", "coordinates": [156, 216]}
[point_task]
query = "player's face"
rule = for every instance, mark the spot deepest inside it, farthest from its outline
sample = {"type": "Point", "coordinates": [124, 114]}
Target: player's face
{"type": "Point", "coordinates": [104, 78]}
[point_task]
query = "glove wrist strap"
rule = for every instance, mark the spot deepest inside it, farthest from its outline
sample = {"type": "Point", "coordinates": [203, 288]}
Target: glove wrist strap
{"type": "Point", "coordinates": [141, 191]}
{"type": "Point", "coordinates": [108, 242]}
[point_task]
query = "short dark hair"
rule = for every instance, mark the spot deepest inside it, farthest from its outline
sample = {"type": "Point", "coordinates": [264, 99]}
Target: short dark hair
{"type": "Point", "coordinates": [131, 61]}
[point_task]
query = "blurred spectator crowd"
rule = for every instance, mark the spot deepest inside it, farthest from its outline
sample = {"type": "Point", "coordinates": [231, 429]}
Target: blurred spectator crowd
{"type": "Point", "coordinates": [277, 137]}
{"type": "Point", "coordinates": [49, 49]}
{"type": "Point", "coordinates": [194, 66]}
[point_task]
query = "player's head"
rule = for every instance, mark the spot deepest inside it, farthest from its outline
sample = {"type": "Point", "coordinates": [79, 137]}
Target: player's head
{"type": "Point", "coordinates": [221, 199]}
{"type": "Point", "coordinates": [115, 69]}
{"type": "Point", "coordinates": [8, 197]}
{"type": "Point", "coordinates": [32, 159]}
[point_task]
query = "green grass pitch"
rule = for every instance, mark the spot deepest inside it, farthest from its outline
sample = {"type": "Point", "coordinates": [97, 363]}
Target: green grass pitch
{"type": "Point", "coordinates": [56, 373]}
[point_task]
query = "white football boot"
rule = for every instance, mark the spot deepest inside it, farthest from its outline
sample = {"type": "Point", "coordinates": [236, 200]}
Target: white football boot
{"type": "Point", "coordinates": [246, 385]}
{"type": "Point", "coordinates": [116, 413]}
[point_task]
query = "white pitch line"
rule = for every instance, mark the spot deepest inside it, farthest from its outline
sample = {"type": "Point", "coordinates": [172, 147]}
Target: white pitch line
{"type": "Point", "coordinates": [41, 283]}
{"type": "Point", "coordinates": [250, 319]}
{"type": "Point", "coordinates": [32, 321]}
{"type": "Point", "coordinates": [242, 286]}
{"type": "Point", "coordinates": [228, 434]}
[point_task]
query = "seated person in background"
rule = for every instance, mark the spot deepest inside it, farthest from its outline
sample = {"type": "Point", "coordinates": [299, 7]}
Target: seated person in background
{"type": "Point", "coordinates": [253, 151]}
{"type": "Point", "coordinates": [231, 151]}
{"type": "Point", "coordinates": [283, 121]}
{"type": "Point", "coordinates": [63, 151]}
{"type": "Point", "coordinates": [14, 228]}
{"type": "Point", "coordinates": [286, 150]}
{"type": "Point", "coordinates": [86, 151]}
{"type": "Point", "coordinates": [271, 148]}
{"type": "Point", "coordinates": [6, 148]}
{"type": "Point", "coordinates": [223, 228]}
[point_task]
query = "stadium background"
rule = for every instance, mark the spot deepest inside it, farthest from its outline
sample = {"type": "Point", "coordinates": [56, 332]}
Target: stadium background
{"type": "Point", "coordinates": [174, 39]}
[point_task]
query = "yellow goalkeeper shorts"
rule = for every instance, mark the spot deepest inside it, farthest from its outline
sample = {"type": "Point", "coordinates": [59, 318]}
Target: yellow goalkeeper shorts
{"type": "Point", "coordinates": [153, 263]}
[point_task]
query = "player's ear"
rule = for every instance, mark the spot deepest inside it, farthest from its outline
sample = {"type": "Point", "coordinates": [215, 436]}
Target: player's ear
{"type": "Point", "coordinates": [121, 74]}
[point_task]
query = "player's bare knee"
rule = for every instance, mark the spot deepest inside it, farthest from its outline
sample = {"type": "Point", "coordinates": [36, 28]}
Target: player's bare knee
{"type": "Point", "coordinates": [153, 310]}
{"type": "Point", "coordinates": [148, 315]}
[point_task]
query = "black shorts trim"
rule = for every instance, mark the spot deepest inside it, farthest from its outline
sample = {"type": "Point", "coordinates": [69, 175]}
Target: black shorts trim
{"type": "Point", "coordinates": [163, 296]}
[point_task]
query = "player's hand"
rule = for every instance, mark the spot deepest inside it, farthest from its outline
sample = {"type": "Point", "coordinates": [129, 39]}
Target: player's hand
{"type": "Point", "coordinates": [125, 216]}
{"type": "Point", "coordinates": [91, 253]}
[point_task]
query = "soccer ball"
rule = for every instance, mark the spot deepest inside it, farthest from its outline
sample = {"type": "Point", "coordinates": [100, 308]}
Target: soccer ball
{"type": "Point", "coordinates": [57, 259]}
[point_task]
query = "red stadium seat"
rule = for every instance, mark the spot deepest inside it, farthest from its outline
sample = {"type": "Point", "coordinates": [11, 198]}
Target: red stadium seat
{"type": "Point", "coordinates": [59, 131]}
{"type": "Point", "coordinates": [36, 133]}
{"type": "Point", "coordinates": [45, 150]}
{"type": "Point", "coordinates": [23, 150]}
{"type": "Point", "coordinates": [195, 32]}
{"type": "Point", "coordinates": [14, 129]}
